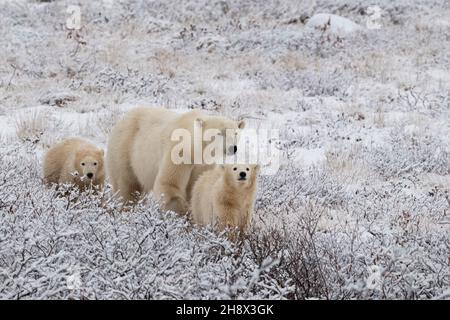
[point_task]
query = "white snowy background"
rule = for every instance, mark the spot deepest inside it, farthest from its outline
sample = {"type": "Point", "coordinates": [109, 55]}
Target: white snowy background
{"type": "Point", "coordinates": [359, 208]}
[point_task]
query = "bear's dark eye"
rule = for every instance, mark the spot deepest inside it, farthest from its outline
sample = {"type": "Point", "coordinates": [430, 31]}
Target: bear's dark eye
{"type": "Point", "coordinates": [248, 169]}
{"type": "Point", "coordinates": [95, 163]}
{"type": "Point", "coordinates": [234, 169]}
{"type": "Point", "coordinates": [83, 164]}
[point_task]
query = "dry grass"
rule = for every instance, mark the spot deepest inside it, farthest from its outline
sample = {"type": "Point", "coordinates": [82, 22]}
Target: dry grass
{"type": "Point", "coordinates": [293, 61]}
{"type": "Point", "coordinates": [31, 126]}
{"type": "Point", "coordinates": [165, 62]}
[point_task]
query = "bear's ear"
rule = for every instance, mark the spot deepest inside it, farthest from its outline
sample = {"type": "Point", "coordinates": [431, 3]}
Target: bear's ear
{"type": "Point", "coordinates": [102, 152]}
{"type": "Point", "coordinates": [241, 124]}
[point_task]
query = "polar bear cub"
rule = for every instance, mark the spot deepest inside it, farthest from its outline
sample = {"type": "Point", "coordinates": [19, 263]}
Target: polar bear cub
{"type": "Point", "coordinates": [74, 161]}
{"type": "Point", "coordinates": [225, 195]}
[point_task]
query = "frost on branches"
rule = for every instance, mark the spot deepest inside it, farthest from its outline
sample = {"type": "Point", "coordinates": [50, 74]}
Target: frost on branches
{"type": "Point", "coordinates": [82, 247]}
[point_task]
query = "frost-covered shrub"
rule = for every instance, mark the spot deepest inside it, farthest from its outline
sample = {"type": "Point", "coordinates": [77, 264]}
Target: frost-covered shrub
{"type": "Point", "coordinates": [83, 247]}
{"type": "Point", "coordinates": [132, 81]}
{"type": "Point", "coordinates": [331, 251]}
{"type": "Point", "coordinates": [406, 153]}
{"type": "Point", "coordinates": [311, 83]}
{"type": "Point", "coordinates": [31, 126]}
{"type": "Point", "coordinates": [294, 186]}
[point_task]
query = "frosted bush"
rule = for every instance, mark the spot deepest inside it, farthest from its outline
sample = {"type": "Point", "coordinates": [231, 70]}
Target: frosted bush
{"type": "Point", "coordinates": [82, 246]}
{"type": "Point", "coordinates": [406, 153]}
{"type": "Point", "coordinates": [327, 247]}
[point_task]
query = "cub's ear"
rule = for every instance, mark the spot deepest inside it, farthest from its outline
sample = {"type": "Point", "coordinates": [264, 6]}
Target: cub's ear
{"type": "Point", "coordinates": [241, 124]}
{"type": "Point", "coordinates": [257, 168]}
{"type": "Point", "coordinates": [199, 122]}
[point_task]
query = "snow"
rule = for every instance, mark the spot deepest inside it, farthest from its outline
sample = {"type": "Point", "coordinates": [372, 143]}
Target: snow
{"type": "Point", "coordinates": [363, 117]}
{"type": "Point", "coordinates": [308, 157]}
{"type": "Point", "coordinates": [338, 25]}
{"type": "Point", "coordinates": [439, 74]}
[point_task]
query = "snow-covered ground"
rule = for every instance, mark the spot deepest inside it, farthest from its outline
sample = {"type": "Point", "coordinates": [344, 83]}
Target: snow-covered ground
{"type": "Point", "coordinates": [360, 207]}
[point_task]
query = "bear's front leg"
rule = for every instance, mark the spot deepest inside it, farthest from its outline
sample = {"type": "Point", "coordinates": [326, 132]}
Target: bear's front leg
{"type": "Point", "coordinates": [226, 217]}
{"type": "Point", "coordinates": [170, 186]}
{"type": "Point", "coordinates": [177, 204]}
{"type": "Point", "coordinates": [171, 198]}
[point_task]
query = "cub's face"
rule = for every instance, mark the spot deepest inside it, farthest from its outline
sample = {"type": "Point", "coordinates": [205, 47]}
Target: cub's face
{"type": "Point", "coordinates": [241, 174]}
{"type": "Point", "coordinates": [89, 165]}
{"type": "Point", "coordinates": [225, 130]}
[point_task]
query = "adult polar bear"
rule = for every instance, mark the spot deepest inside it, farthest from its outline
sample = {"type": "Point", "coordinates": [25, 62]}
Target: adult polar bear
{"type": "Point", "coordinates": [140, 148]}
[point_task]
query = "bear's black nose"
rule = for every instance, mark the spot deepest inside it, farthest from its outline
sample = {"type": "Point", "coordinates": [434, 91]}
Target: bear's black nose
{"type": "Point", "coordinates": [90, 175]}
{"type": "Point", "coordinates": [242, 174]}
{"type": "Point", "coordinates": [232, 149]}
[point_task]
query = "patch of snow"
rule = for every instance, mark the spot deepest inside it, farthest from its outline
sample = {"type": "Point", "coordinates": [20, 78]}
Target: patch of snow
{"type": "Point", "coordinates": [336, 24]}
{"type": "Point", "coordinates": [439, 74]}
{"type": "Point", "coordinates": [304, 158]}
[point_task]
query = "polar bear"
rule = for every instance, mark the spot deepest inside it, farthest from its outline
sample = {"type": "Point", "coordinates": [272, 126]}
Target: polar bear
{"type": "Point", "coordinates": [140, 153]}
{"type": "Point", "coordinates": [225, 195]}
{"type": "Point", "coordinates": [74, 161]}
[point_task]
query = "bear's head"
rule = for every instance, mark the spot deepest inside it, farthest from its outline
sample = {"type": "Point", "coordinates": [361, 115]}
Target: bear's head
{"type": "Point", "coordinates": [89, 165]}
{"type": "Point", "coordinates": [226, 131]}
{"type": "Point", "coordinates": [240, 175]}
